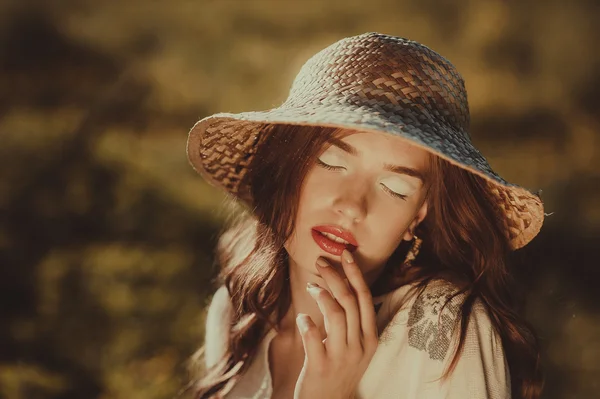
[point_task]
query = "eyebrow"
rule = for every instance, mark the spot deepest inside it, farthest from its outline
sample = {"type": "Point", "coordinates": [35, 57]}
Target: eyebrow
{"type": "Point", "coordinates": [404, 170]}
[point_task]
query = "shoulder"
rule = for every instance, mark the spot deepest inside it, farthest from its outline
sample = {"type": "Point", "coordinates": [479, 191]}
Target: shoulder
{"type": "Point", "coordinates": [434, 329]}
{"type": "Point", "coordinates": [431, 316]}
{"type": "Point", "coordinates": [422, 301]}
{"type": "Point", "coordinates": [220, 300]}
{"type": "Point", "coordinates": [218, 324]}
{"type": "Point", "coordinates": [220, 311]}
{"type": "Point", "coordinates": [421, 330]}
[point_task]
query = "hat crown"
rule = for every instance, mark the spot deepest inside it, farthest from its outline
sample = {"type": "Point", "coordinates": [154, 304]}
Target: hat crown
{"type": "Point", "coordinates": [388, 75]}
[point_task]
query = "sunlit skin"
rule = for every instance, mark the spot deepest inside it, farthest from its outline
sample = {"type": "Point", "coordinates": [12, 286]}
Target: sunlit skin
{"type": "Point", "coordinates": [380, 207]}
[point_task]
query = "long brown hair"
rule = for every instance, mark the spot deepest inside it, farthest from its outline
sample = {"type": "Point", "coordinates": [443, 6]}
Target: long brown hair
{"type": "Point", "coordinates": [463, 241]}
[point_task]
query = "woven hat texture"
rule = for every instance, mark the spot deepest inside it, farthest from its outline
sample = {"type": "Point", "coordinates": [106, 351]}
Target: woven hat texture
{"type": "Point", "coordinates": [370, 82]}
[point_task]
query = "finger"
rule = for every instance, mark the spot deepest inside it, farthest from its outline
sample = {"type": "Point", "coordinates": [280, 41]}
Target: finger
{"type": "Point", "coordinates": [334, 317]}
{"type": "Point", "coordinates": [356, 279]}
{"type": "Point", "coordinates": [344, 295]}
{"type": "Point", "coordinates": [314, 350]}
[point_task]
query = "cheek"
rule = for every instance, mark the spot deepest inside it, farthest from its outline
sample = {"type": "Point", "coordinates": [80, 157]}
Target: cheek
{"type": "Point", "coordinates": [319, 182]}
{"type": "Point", "coordinates": [307, 202]}
{"type": "Point", "coordinates": [313, 195]}
{"type": "Point", "coordinates": [388, 229]}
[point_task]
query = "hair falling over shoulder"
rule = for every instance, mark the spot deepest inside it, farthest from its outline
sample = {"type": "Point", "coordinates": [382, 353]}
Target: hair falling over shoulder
{"type": "Point", "coordinates": [463, 241]}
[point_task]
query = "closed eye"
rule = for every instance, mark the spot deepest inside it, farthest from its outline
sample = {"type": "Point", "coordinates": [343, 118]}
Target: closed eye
{"type": "Point", "coordinates": [327, 166]}
{"type": "Point", "coordinates": [395, 194]}
{"type": "Point", "coordinates": [387, 189]}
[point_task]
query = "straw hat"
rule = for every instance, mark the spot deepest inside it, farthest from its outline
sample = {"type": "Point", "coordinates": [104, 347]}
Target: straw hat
{"type": "Point", "coordinates": [369, 82]}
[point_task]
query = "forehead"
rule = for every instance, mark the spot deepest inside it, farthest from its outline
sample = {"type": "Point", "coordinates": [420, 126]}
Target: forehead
{"type": "Point", "coordinates": [386, 148]}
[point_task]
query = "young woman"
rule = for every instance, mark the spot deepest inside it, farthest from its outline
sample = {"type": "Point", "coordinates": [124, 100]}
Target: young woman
{"type": "Point", "coordinates": [366, 165]}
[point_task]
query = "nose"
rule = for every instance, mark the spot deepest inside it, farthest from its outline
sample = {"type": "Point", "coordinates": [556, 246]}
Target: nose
{"type": "Point", "coordinates": [352, 200]}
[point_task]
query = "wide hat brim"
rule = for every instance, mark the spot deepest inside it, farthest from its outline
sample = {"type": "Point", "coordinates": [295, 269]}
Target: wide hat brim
{"type": "Point", "coordinates": [220, 148]}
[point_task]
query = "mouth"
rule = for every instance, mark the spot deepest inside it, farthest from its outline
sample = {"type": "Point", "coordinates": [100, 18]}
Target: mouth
{"type": "Point", "coordinates": [333, 239]}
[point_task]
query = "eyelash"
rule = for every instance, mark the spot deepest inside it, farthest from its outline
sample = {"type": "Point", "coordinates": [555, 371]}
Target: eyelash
{"type": "Point", "coordinates": [326, 166]}
{"type": "Point", "coordinates": [393, 193]}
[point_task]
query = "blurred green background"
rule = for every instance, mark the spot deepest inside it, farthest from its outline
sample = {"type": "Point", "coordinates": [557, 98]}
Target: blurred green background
{"type": "Point", "coordinates": [107, 234]}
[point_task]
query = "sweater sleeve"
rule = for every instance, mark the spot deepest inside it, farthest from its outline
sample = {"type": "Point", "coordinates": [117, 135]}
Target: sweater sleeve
{"type": "Point", "coordinates": [218, 321]}
{"type": "Point", "coordinates": [418, 344]}
{"type": "Point", "coordinates": [482, 369]}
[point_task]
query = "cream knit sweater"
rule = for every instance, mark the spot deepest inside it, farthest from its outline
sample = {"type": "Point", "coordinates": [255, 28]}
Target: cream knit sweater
{"type": "Point", "coordinates": [416, 344]}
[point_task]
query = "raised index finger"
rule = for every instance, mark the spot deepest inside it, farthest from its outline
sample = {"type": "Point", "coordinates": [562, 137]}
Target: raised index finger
{"type": "Point", "coordinates": [363, 294]}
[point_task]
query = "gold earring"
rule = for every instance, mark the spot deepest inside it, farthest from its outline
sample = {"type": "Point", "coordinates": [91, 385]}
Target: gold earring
{"type": "Point", "coordinates": [412, 252]}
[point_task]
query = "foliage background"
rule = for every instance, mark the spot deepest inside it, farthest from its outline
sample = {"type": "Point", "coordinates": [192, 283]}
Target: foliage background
{"type": "Point", "coordinates": [107, 235]}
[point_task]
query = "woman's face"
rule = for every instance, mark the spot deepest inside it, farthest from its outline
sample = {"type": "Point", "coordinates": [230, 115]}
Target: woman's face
{"type": "Point", "coordinates": [368, 184]}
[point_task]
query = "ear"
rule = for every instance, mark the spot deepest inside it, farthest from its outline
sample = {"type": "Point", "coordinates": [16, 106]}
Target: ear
{"type": "Point", "coordinates": [421, 213]}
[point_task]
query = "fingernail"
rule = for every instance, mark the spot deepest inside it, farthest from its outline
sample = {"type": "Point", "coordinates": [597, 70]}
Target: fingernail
{"type": "Point", "coordinates": [313, 290]}
{"type": "Point", "coordinates": [322, 262]}
{"type": "Point", "coordinates": [302, 322]}
{"type": "Point", "coordinates": [311, 285]}
{"type": "Point", "coordinates": [348, 256]}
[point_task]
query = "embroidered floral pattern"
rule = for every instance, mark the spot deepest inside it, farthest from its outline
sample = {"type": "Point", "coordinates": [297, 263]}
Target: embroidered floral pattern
{"type": "Point", "coordinates": [430, 323]}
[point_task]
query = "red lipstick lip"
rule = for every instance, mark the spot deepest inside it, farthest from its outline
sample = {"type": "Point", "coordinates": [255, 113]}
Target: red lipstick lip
{"type": "Point", "coordinates": [339, 232]}
{"type": "Point", "coordinates": [330, 246]}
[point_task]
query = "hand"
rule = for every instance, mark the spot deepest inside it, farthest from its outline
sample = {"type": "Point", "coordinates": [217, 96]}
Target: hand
{"type": "Point", "coordinates": [334, 365]}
